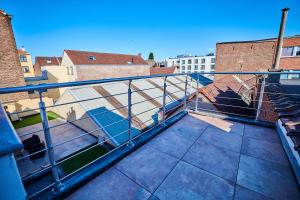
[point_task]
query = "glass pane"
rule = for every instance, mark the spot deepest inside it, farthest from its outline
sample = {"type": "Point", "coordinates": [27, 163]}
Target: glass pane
{"type": "Point", "coordinates": [287, 51]}
{"type": "Point", "coordinates": [298, 51]}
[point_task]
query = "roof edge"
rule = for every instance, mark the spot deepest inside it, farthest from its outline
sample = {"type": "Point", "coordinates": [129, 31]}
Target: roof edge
{"type": "Point", "coordinates": [260, 40]}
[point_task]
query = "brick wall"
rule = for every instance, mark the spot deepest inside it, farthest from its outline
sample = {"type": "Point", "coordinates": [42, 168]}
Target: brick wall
{"type": "Point", "coordinates": [244, 56]}
{"type": "Point", "coordinates": [290, 62]}
{"type": "Point", "coordinates": [253, 55]}
{"type": "Point", "coordinates": [10, 67]}
{"type": "Point", "coordinates": [114, 71]}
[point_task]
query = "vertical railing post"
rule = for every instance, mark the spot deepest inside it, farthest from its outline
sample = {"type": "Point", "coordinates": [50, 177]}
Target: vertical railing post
{"type": "Point", "coordinates": [185, 92]}
{"type": "Point", "coordinates": [49, 144]}
{"type": "Point", "coordinates": [164, 101]}
{"type": "Point", "coordinates": [191, 85]}
{"type": "Point", "coordinates": [261, 96]}
{"type": "Point", "coordinates": [129, 114]}
{"type": "Point", "coordinates": [197, 93]}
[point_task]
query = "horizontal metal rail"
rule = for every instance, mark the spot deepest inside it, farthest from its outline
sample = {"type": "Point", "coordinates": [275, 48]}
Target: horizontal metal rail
{"type": "Point", "coordinates": [106, 140]}
{"type": "Point", "coordinates": [189, 85]}
{"type": "Point", "coordinates": [43, 87]}
{"type": "Point", "coordinates": [39, 171]}
{"type": "Point", "coordinates": [83, 100]}
{"type": "Point", "coordinates": [39, 151]}
{"type": "Point", "coordinates": [71, 121]}
{"type": "Point", "coordinates": [223, 112]}
{"type": "Point", "coordinates": [229, 105]}
{"type": "Point", "coordinates": [88, 133]}
{"type": "Point", "coordinates": [146, 100]}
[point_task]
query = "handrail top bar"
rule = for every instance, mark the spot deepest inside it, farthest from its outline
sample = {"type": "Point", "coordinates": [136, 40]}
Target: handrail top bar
{"type": "Point", "coordinates": [43, 87]}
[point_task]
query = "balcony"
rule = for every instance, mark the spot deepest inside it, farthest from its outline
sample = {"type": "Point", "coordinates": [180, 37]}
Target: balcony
{"type": "Point", "coordinates": [200, 157]}
{"type": "Point", "coordinates": [173, 136]}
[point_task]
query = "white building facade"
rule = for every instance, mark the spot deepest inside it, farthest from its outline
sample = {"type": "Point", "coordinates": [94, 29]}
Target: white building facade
{"type": "Point", "coordinates": [190, 64]}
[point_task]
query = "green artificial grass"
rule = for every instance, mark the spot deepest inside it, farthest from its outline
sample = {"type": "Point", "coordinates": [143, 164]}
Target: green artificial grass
{"type": "Point", "coordinates": [78, 161]}
{"type": "Point", "coordinates": [33, 119]}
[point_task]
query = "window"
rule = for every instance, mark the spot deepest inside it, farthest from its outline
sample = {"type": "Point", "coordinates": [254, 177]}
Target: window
{"type": "Point", "coordinates": [48, 60]}
{"type": "Point", "coordinates": [196, 67]}
{"type": "Point", "coordinates": [297, 51]}
{"type": "Point", "coordinates": [196, 61]}
{"type": "Point", "coordinates": [25, 69]}
{"type": "Point", "coordinates": [183, 67]}
{"type": "Point", "coordinates": [68, 72]}
{"type": "Point", "coordinates": [183, 62]}
{"type": "Point", "coordinates": [213, 60]}
{"type": "Point", "coordinates": [202, 60]}
{"type": "Point", "coordinates": [189, 67]}
{"type": "Point", "coordinates": [189, 61]}
{"type": "Point", "coordinates": [212, 67]}
{"type": "Point", "coordinates": [291, 51]}
{"type": "Point", "coordinates": [287, 51]}
{"type": "Point", "coordinates": [23, 58]}
{"type": "Point", "coordinates": [202, 67]}
{"type": "Point", "coordinates": [92, 58]}
{"type": "Point", "coordinates": [71, 71]}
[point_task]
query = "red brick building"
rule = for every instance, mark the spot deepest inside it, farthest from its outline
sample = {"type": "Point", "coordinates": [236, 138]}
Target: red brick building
{"type": "Point", "coordinates": [10, 68]}
{"type": "Point", "coordinates": [257, 55]}
{"type": "Point", "coordinates": [248, 56]}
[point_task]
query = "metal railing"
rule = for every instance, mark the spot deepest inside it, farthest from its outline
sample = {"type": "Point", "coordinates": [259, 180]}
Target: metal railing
{"type": "Point", "coordinates": [188, 94]}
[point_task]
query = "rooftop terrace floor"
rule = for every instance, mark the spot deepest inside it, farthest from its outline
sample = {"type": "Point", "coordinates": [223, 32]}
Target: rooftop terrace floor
{"type": "Point", "coordinates": [200, 157]}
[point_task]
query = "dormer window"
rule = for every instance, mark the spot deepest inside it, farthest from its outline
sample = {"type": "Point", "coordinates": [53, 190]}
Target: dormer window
{"type": "Point", "coordinates": [129, 63]}
{"type": "Point", "coordinates": [48, 61]}
{"type": "Point", "coordinates": [92, 58]}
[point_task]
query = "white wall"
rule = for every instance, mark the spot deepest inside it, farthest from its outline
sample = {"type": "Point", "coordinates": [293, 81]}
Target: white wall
{"type": "Point", "coordinates": [170, 62]}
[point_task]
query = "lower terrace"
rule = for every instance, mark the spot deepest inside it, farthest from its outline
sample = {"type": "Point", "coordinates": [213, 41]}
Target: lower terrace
{"type": "Point", "coordinates": [158, 137]}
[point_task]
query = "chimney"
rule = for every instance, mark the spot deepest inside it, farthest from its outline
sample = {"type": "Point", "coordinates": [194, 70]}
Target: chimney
{"type": "Point", "coordinates": [11, 71]}
{"type": "Point", "coordinates": [280, 38]}
{"type": "Point", "coordinates": [140, 54]}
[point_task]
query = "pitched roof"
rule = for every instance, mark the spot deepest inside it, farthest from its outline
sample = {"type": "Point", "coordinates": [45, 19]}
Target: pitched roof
{"type": "Point", "coordinates": [227, 92]}
{"type": "Point", "coordinates": [46, 61]}
{"type": "Point", "coordinates": [22, 52]}
{"type": "Point", "coordinates": [95, 58]}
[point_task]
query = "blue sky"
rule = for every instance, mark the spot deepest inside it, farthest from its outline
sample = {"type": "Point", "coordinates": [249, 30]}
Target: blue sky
{"type": "Point", "coordinates": [167, 28]}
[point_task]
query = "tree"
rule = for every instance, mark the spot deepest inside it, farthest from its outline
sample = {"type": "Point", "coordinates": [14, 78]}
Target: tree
{"type": "Point", "coordinates": [151, 56]}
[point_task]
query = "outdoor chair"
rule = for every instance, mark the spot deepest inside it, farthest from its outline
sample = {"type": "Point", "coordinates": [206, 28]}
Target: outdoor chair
{"type": "Point", "coordinates": [34, 139]}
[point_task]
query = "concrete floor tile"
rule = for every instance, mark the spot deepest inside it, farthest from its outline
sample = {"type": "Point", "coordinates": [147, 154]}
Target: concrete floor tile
{"type": "Point", "coordinates": [268, 178]}
{"type": "Point", "coordinates": [175, 145]}
{"type": "Point", "coordinates": [216, 160]}
{"type": "Point", "coordinates": [189, 182]}
{"type": "Point", "coordinates": [261, 133]}
{"type": "Point", "coordinates": [264, 150]}
{"type": "Point", "coordinates": [242, 193]}
{"type": "Point", "coordinates": [110, 185]}
{"type": "Point", "coordinates": [147, 166]}
{"type": "Point", "coordinates": [220, 138]}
